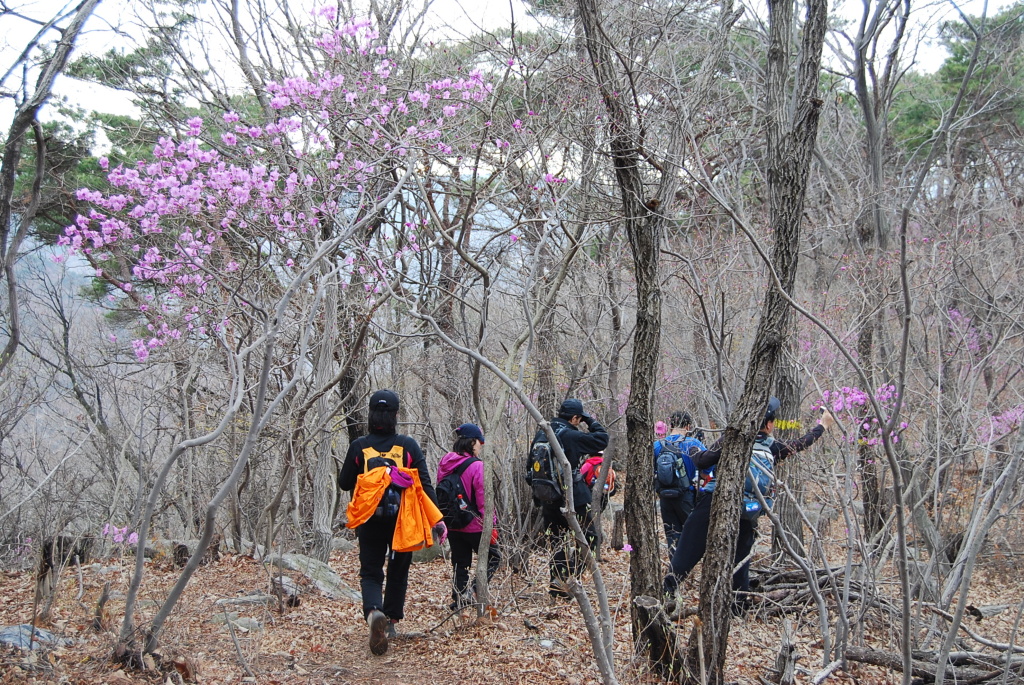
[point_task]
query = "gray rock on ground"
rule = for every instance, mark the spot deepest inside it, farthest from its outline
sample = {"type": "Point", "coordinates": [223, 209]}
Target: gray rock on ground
{"type": "Point", "coordinates": [320, 574]}
{"type": "Point", "coordinates": [21, 637]}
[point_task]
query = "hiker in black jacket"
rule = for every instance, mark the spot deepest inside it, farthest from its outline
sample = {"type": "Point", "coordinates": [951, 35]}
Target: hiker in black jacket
{"type": "Point", "coordinates": [693, 540]}
{"type": "Point", "coordinates": [577, 445]}
{"type": "Point", "coordinates": [384, 606]}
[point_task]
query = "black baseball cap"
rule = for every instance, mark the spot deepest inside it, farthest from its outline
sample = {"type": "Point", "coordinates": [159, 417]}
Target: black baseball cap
{"type": "Point", "coordinates": [384, 399]}
{"type": "Point", "coordinates": [571, 407]}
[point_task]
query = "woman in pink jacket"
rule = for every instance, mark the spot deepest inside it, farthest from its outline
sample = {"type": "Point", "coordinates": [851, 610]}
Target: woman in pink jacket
{"type": "Point", "coordinates": [465, 541]}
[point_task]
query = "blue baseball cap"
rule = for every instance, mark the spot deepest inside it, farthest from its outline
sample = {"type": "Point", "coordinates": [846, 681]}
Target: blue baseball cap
{"type": "Point", "coordinates": [470, 430]}
{"type": "Point", "coordinates": [570, 408]}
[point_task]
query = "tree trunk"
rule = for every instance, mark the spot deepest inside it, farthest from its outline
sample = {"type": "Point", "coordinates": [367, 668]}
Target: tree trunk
{"type": "Point", "coordinates": [871, 484]}
{"type": "Point", "coordinates": [325, 472]}
{"type": "Point", "coordinates": [790, 144]}
{"type": "Point", "coordinates": [789, 394]}
{"type": "Point", "coordinates": [643, 229]}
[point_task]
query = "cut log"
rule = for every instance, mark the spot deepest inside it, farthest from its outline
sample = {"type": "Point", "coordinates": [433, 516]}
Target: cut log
{"type": "Point", "coordinates": [785, 660]}
{"type": "Point", "coordinates": [986, 611]}
{"type": "Point", "coordinates": [183, 550]}
{"type": "Point", "coordinates": [619, 530]}
{"type": "Point", "coordinates": [660, 633]}
{"type": "Point", "coordinates": [921, 669]}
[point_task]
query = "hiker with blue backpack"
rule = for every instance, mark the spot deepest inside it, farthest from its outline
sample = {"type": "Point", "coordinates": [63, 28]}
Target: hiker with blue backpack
{"type": "Point", "coordinates": [675, 476]}
{"type": "Point", "coordinates": [391, 490]}
{"type": "Point", "coordinates": [548, 490]}
{"type": "Point", "coordinates": [460, 495]}
{"type": "Point", "coordinates": [767, 452]}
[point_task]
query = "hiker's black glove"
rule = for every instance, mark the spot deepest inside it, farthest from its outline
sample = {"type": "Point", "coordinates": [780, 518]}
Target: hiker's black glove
{"type": "Point", "coordinates": [587, 419]}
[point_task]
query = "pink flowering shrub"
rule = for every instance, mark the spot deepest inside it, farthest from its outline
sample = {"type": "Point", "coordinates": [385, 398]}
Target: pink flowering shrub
{"type": "Point", "coordinates": [853, 406]}
{"type": "Point", "coordinates": [210, 228]}
{"type": "Point", "coordinates": [996, 427]}
{"type": "Point", "coordinates": [120, 536]}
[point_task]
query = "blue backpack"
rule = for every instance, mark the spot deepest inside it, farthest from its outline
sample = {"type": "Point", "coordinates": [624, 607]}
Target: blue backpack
{"type": "Point", "coordinates": [760, 475]}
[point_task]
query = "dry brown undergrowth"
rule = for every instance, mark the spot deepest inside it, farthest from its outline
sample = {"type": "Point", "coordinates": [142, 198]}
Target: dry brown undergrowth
{"type": "Point", "coordinates": [531, 640]}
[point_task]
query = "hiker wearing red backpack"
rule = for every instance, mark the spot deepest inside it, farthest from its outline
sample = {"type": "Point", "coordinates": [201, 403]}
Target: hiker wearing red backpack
{"type": "Point", "coordinates": [693, 540]}
{"type": "Point", "coordinates": [383, 469]}
{"type": "Point", "coordinates": [461, 503]}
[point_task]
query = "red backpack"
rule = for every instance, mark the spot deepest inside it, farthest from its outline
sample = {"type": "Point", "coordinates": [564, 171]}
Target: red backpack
{"type": "Point", "coordinates": [590, 470]}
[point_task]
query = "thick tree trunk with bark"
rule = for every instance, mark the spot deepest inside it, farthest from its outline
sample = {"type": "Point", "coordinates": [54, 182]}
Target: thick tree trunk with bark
{"type": "Point", "coordinates": [789, 427]}
{"type": "Point", "coordinates": [325, 471]}
{"type": "Point", "coordinates": [643, 229]}
{"type": "Point", "coordinates": [790, 144]}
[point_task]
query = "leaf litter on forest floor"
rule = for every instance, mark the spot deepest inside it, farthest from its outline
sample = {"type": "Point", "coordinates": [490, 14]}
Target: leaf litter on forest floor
{"type": "Point", "coordinates": [528, 638]}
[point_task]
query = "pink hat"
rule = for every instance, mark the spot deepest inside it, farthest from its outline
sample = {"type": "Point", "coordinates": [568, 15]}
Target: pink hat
{"type": "Point", "coordinates": [660, 429]}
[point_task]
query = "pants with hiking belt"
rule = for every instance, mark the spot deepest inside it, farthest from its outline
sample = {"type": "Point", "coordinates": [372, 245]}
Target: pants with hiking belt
{"type": "Point", "coordinates": [463, 546]}
{"type": "Point", "coordinates": [693, 543]}
{"type": "Point", "coordinates": [374, 548]}
{"type": "Point", "coordinates": [564, 564]}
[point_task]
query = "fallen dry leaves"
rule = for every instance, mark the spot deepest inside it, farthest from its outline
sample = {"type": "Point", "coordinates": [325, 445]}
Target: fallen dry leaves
{"type": "Point", "coordinates": [525, 638]}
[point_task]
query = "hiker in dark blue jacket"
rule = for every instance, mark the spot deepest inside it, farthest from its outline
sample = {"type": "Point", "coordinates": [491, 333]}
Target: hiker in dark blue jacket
{"type": "Point", "coordinates": [677, 498]}
{"type": "Point", "coordinates": [577, 445]}
{"type": "Point", "coordinates": [693, 540]}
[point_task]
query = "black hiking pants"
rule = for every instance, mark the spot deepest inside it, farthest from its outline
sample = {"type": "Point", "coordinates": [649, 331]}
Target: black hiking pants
{"type": "Point", "coordinates": [693, 543]}
{"type": "Point", "coordinates": [374, 548]}
{"type": "Point", "coordinates": [565, 562]}
{"type": "Point", "coordinates": [674, 512]}
{"type": "Point", "coordinates": [463, 546]}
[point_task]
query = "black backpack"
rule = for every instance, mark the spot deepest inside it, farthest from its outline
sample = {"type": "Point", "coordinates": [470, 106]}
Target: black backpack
{"type": "Point", "coordinates": [542, 473]}
{"type": "Point", "coordinates": [391, 501]}
{"type": "Point", "coordinates": [453, 500]}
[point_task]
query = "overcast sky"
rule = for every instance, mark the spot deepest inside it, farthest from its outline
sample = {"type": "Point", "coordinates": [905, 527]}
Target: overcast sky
{"type": "Point", "coordinates": [452, 18]}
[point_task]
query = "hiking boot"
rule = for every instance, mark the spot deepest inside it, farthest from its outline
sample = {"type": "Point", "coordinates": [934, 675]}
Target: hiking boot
{"type": "Point", "coordinates": [558, 591]}
{"type": "Point", "coordinates": [461, 602]}
{"type": "Point", "coordinates": [392, 631]}
{"type": "Point", "coordinates": [378, 623]}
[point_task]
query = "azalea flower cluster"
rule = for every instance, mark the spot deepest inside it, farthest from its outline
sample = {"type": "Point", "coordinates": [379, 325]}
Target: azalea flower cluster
{"type": "Point", "coordinates": [177, 234]}
{"type": "Point", "coordinates": [853, 406]}
{"type": "Point", "coordinates": [999, 426]}
{"type": "Point", "coordinates": [962, 328]}
{"type": "Point", "coordinates": [120, 535]}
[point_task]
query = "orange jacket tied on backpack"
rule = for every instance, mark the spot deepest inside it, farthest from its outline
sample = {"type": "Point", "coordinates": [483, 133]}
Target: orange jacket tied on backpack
{"type": "Point", "coordinates": [417, 514]}
{"type": "Point", "coordinates": [370, 487]}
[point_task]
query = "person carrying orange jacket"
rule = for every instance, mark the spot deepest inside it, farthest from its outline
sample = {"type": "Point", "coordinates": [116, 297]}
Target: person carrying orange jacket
{"type": "Point", "coordinates": [391, 471]}
{"type": "Point", "coordinates": [417, 515]}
